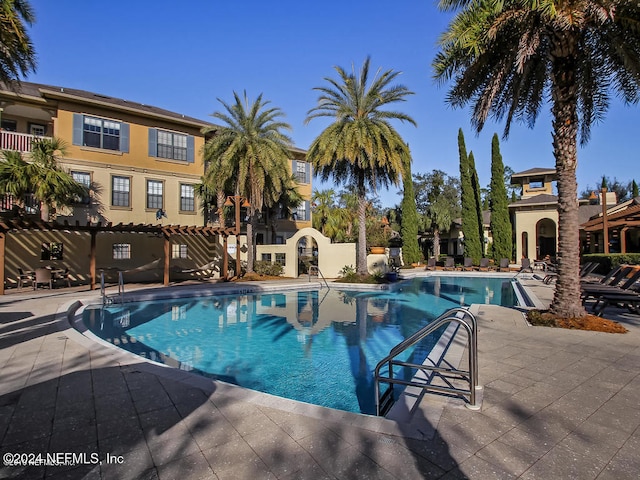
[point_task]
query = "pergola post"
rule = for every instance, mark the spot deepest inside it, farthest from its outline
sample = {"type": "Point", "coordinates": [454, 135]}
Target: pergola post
{"type": "Point", "coordinates": [605, 226]}
{"type": "Point", "coordinates": [167, 252]}
{"type": "Point", "coordinates": [92, 259]}
{"type": "Point", "coordinates": [225, 258]}
{"type": "Point", "coordinates": [623, 239]}
{"type": "Point", "coordinates": [2, 258]}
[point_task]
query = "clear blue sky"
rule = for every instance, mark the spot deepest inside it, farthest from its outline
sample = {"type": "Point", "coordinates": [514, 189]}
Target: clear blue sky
{"type": "Point", "coordinates": [182, 56]}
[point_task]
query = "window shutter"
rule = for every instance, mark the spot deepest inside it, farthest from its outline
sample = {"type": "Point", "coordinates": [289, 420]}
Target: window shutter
{"type": "Point", "coordinates": [294, 166]}
{"type": "Point", "coordinates": [124, 137]}
{"type": "Point", "coordinates": [307, 213]}
{"type": "Point", "coordinates": [307, 172]}
{"type": "Point", "coordinates": [153, 142]}
{"type": "Point", "coordinates": [191, 147]}
{"type": "Point", "coordinates": [77, 128]}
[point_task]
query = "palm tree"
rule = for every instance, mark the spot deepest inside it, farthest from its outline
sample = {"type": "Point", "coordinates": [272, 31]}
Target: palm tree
{"type": "Point", "coordinates": [360, 148]}
{"type": "Point", "coordinates": [324, 204]}
{"type": "Point", "coordinates": [284, 197]}
{"type": "Point", "coordinates": [13, 176]}
{"type": "Point", "coordinates": [252, 152]}
{"type": "Point", "coordinates": [50, 184]}
{"type": "Point", "coordinates": [507, 58]}
{"type": "Point", "coordinates": [17, 56]}
{"type": "Point", "coordinates": [42, 176]}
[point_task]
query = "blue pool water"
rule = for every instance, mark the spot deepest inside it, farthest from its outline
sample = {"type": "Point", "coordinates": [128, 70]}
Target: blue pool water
{"type": "Point", "coordinates": [318, 347]}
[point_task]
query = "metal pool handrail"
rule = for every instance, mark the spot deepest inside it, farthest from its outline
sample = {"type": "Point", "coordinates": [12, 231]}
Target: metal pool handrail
{"type": "Point", "coordinates": [319, 273]}
{"type": "Point", "coordinates": [468, 321]}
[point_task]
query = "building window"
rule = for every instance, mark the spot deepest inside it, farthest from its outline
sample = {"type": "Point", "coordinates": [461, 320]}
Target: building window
{"type": "Point", "coordinates": [172, 145]}
{"type": "Point", "coordinates": [302, 212]}
{"type": "Point", "coordinates": [187, 198]}
{"type": "Point", "coordinates": [154, 194]}
{"type": "Point", "coordinates": [266, 257]}
{"type": "Point", "coordinates": [281, 258]}
{"type": "Point", "coordinates": [84, 179]}
{"type": "Point", "coordinates": [120, 191]}
{"type": "Point", "coordinates": [52, 251]}
{"type": "Point", "coordinates": [301, 172]}
{"type": "Point", "coordinates": [37, 130]}
{"type": "Point", "coordinates": [121, 251]}
{"type": "Point", "coordinates": [178, 250]}
{"type": "Point", "coordinates": [100, 133]}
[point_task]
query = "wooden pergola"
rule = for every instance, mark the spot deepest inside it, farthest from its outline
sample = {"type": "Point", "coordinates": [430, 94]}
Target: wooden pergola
{"type": "Point", "coordinates": [621, 221]}
{"type": "Point", "coordinates": [166, 231]}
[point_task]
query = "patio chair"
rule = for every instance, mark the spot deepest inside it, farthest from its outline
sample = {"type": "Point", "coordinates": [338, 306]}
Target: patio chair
{"type": "Point", "coordinates": [504, 265]}
{"type": "Point", "coordinates": [43, 276]}
{"type": "Point", "coordinates": [468, 264]}
{"type": "Point", "coordinates": [484, 265]}
{"type": "Point", "coordinates": [63, 276]}
{"type": "Point", "coordinates": [431, 264]}
{"type": "Point", "coordinates": [449, 264]}
{"type": "Point", "coordinates": [24, 277]}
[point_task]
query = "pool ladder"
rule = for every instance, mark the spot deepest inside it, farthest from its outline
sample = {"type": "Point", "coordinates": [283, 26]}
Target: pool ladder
{"type": "Point", "coordinates": [316, 271]}
{"type": "Point", "coordinates": [463, 318]}
{"type": "Point", "coordinates": [109, 299]}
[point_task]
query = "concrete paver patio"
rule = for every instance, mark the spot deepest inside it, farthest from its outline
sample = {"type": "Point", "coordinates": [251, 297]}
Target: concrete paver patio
{"type": "Point", "coordinates": [556, 404]}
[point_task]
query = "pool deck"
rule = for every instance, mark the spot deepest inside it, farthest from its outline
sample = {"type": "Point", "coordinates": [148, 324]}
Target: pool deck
{"type": "Point", "coordinates": [556, 404]}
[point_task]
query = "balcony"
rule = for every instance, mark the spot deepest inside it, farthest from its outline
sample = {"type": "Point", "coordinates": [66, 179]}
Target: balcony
{"type": "Point", "coordinates": [19, 142]}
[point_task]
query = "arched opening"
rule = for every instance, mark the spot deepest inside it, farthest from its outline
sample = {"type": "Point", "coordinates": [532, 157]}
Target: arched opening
{"type": "Point", "coordinates": [545, 239]}
{"type": "Point", "coordinates": [525, 245]}
{"type": "Point", "coordinates": [307, 253]}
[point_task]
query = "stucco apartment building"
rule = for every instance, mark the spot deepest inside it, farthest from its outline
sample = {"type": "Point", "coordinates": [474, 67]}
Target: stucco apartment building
{"type": "Point", "coordinates": [141, 164]}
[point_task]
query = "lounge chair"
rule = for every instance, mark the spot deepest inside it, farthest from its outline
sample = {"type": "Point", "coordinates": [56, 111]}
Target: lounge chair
{"type": "Point", "coordinates": [449, 264]}
{"type": "Point", "coordinates": [586, 270]}
{"type": "Point", "coordinates": [431, 264]}
{"type": "Point", "coordinates": [630, 300]}
{"type": "Point", "coordinates": [468, 264]}
{"type": "Point", "coordinates": [526, 266]}
{"type": "Point", "coordinates": [504, 265]}
{"type": "Point", "coordinates": [42, 277]}
{"type": "Point", "coordinates": [484, 265]}
{"type": "Point", "coordinates": [624, 285]}
{"type": "Point", "coordinates": [611, 278]}
{"type": "Point", "coordinates": [24, 277]}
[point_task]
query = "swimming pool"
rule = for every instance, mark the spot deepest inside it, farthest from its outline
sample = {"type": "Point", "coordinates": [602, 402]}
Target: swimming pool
{"type": "Point", "coordinates": [318, 347]}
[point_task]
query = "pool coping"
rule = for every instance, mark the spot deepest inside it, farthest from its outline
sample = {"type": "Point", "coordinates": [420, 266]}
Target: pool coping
{"type": "Point", "coordinates": [404, 422]}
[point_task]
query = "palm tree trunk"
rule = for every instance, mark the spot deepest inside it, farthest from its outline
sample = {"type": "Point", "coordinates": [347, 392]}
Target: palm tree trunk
{"type": "Point", "coordinates": [436, 243]}
{"type": "Point", "coordinates": [566, 300]}
{"type": "Point", "coordinates": [220, 198]}
{"type": "Point", "coordinates": [44, 211]}
{"type": "Point", "coordinates": [361, 260]}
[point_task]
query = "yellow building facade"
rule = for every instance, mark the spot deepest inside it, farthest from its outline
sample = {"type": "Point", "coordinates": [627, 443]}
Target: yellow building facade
{"type": "Point", "coordinates": [141, 165]}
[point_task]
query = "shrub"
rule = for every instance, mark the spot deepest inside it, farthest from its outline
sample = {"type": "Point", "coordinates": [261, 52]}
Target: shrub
{"type": "Point", "coordinates": [613, 260]}
{"type": "Point", "coordinates": [263, 267]}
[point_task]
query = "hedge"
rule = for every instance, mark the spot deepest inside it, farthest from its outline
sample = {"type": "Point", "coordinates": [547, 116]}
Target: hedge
{"type": "Point", "coordinates": [613, 260]}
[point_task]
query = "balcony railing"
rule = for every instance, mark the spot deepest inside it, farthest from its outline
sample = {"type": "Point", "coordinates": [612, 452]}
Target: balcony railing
{"type": "Point", "coordinates": [19, 142]}
{"type": "Point", "coordinates": [28, 204]}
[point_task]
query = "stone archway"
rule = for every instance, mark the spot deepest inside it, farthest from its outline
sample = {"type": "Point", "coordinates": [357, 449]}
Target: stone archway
{"type": "Point", "coordinates": [546, 239]}
{"type": "Point", "coordinates": [331, 257]}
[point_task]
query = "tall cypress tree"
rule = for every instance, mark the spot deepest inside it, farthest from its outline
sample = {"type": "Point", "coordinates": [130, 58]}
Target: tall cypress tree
{"type": "Point", "coordinates": [468, 199]}
{"type": "Point", "coordinates": [634, 189]}
{"type": "Point", "coordinates": [475, 186]}
{"type": "Point", "coordinates": [500, 223]}
{"type": "Point", "coordinates": [409, 226]}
